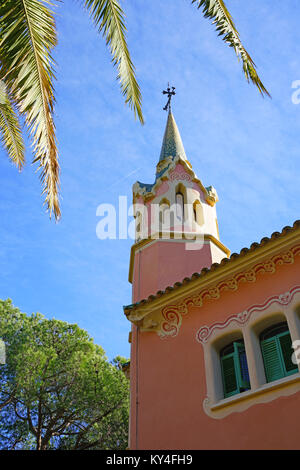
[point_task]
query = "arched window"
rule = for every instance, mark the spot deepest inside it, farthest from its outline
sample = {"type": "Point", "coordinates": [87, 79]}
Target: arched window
{"type": "Point", "coordinates": [179, 206]}
{"type": "Point", "coordinates": [198, 213]}
{"type": "Point", "coordinates": [164, 220]}
{"type": "Point", "coordinates": [138, 226]}
{"type": "Point", "coordinates": [234, 367]}
{"type": "Point", "coordinates": [277, 351]}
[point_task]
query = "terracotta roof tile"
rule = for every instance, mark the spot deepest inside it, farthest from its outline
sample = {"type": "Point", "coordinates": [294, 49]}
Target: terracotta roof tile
{"type": "Point", "coordinates": [254, 246]}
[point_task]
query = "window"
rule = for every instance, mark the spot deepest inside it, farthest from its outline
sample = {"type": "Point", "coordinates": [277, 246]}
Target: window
{"type": "Point", "coordinates": [276, 347]}
{"type": "Point", "coordinates": [164, 220]}
{"type": "Point", "coordinates": [266, 356]}
{"type": "Point", "coordinates": [138, 227]}
{"type": "Point", "coordinates": [198, 213]}
{"type": "Point", "coordinates": [179, 206]}
{"type": "Point", "coordinates": [235, 374]}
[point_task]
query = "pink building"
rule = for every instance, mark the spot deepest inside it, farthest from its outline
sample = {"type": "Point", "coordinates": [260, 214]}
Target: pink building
{"type": "Point", "coordinates": [212, 358]}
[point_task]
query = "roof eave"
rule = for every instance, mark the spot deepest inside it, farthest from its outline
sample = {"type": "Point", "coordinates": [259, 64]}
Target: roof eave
{"type": "Point", "coordinates": [218, 271]}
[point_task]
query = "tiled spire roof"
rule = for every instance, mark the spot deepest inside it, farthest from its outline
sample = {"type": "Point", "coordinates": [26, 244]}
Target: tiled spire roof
{"type": "Point", "coordinates": [172, 144]}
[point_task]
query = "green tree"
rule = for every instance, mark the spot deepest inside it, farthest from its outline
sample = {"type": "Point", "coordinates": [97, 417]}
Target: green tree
{"type": "Point", "coordinates": [27, 38]}
{"type": "Point", "coordinates": [57, 388]}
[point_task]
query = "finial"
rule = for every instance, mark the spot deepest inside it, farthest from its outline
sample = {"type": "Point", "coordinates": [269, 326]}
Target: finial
{"type": "Point", "coordinates": [170, 93]}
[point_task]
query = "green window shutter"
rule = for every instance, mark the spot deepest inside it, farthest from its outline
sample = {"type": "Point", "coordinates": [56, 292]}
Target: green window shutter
{"type": "Point", "coordinates": [241, 364]}
{"type": "Point", "coordinates": [274, 367]}
{"type": "Point", "coordinates": [285, 342]}
{"type": "Point", "coordinates": [229, 375]}
{"type": "Point", "coordinates": [235, 372]}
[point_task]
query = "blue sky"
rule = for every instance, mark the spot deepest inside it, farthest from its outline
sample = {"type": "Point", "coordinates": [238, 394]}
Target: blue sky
{"type": "Point", "coordinates": [247, 147]}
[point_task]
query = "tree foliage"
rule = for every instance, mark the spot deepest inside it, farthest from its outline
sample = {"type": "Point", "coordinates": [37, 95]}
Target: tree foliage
{"type": "Point", "coordinates": [217, 11]}
{"type": "Point", "coordinates": [57, 388]}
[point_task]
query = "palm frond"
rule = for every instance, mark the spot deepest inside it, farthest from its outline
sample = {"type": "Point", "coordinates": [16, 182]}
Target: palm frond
{"type": "Point", "coordinates": [10, 129]}
{"type": "Point", "coordinates": [216, 11]}
{"type": "Point", "coordinates": [108, 17]}
{"type": "Point", "coordinates": [28, 35]}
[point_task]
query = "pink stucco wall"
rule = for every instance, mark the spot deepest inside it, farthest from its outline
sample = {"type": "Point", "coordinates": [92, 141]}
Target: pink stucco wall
{"type": "Point", "coordinates": [168, 377]}
{"type": "Point", "coordinates": [161, 264]}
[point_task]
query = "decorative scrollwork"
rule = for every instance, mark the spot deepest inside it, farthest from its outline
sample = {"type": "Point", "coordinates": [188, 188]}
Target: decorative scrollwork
{"type": "Point", "coordinates": [250, 276]}
{"type": "Point", "coordinates": [172, 315]}
{"type": "Point", "coordinates": [180, 174]}
{"type": "Point", "coordinates": [205, 332]}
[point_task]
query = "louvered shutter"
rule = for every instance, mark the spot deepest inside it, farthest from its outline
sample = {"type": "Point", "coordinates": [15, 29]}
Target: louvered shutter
{"type": "Point", "coordinates": [274, 367]}
{"type": "Point", "coordinates": [229, 376]}
{"type": "Point", "coordinates": [285, 342]}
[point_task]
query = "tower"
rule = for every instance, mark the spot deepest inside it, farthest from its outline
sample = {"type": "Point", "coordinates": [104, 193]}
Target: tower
{"type": "Point", "coordinates": [176, 223]}
{"type": "Point", "coordinates": [212, 362]}
{"type": "Point", "coordinates": [176, 235]}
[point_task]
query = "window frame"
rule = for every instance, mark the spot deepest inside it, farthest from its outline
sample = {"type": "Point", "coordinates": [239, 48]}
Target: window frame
{"type": "Point", "coordinates": [241, 384]}
{"type": "Point", "coordinates": [275, 339]}
{"type": "Point", "coordinates": [179, 200]}
{"type": "Point", "coordinates": [248, 324]}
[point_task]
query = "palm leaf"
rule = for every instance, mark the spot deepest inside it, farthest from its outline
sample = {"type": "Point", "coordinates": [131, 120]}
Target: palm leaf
{"type": "Point", "coordinates": [10, 130]}
{"type": "Point", "coordinates": [109, 19]}
{"type": "Point", "coordinates": [217, 11]}
{"type": "Point", "coordinates": [27, 36]}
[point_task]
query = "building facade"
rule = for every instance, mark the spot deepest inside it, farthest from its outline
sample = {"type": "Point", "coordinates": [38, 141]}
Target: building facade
{"type": "Point", "coordinates": [214, 336]}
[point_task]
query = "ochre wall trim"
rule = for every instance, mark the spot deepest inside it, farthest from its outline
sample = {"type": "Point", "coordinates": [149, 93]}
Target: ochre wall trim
{"type": "Point", "coordinates": [172, 314]}
{"type": "Point", "coordinates": [241, 318]}
{"type": "Point", "coordinates": [213, 337]}
{"type": "Point", "coordinates": [239, 403]}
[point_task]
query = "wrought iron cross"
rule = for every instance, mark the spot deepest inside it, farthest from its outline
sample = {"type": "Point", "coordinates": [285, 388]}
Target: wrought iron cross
{"type": "Point", "coordinates": [170, 92]}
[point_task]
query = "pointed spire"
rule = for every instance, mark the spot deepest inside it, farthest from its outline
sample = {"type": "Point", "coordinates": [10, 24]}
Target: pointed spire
{"type": "Point", "coordinates": [172, 144]}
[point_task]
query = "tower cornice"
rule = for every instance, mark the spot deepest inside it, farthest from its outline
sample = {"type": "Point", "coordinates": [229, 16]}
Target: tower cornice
{"type": "Point", "coordinates": [172, 236]}
{"type": "Point", "coordinates": [147, 192]}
